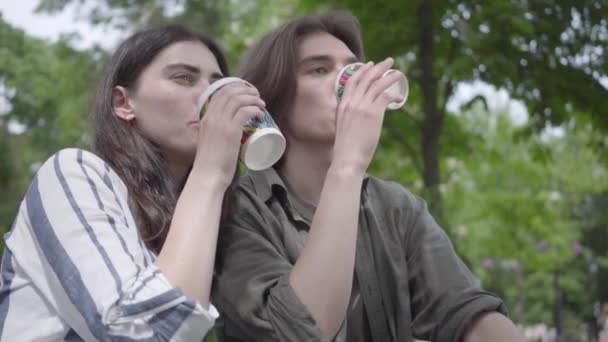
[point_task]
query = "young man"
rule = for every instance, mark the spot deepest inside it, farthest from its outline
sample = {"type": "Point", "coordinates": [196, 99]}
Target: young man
{"type": "Point", "coordinates": [318, 250]}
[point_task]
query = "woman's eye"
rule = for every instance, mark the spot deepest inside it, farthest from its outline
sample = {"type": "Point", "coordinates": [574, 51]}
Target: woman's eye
{"type": "Point", "coordinates": [187, 78]}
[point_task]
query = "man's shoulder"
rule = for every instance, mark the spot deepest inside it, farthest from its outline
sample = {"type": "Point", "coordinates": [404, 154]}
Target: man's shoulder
{"type": "Point", "coordinates": [247, 188]}
{"type": "Point", "coordinates": [246, 182]}
{"type": "Point", "coordinates": [390, 193]}
{"type": "Point", "coordinates": [248, 197]}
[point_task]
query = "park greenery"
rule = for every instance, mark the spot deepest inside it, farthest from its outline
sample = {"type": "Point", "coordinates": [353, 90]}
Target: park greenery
{"type": "Point", "coordinates": [522, 199]}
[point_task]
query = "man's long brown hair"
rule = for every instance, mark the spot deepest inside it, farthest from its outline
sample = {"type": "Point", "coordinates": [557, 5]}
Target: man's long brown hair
{"type": "Point", "coordinates": [271, 63]}
{"type": "Point", "coordinates": [137, 160]}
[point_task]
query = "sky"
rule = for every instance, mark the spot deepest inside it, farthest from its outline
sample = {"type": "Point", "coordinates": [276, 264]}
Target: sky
{"type": "Point", "coordinates": [20, 13]}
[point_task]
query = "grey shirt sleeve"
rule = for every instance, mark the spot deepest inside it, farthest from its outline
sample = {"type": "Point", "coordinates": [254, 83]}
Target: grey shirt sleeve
{"type": "Point", "coordinates": [251, 287]}
{"type": "Point", "coordinates": [445, 294]}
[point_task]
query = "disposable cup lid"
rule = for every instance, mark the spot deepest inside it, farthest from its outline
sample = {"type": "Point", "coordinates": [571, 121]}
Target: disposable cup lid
{"type": "Point", "coordinates": [263, 148]}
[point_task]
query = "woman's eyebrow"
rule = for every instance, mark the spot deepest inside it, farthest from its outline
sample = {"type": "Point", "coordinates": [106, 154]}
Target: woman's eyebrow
{"type": "Point", "coordinates": [188, 67]}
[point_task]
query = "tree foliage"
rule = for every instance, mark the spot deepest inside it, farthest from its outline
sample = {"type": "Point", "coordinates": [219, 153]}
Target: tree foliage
{"type": "Point", "coordinates": [519, 203]}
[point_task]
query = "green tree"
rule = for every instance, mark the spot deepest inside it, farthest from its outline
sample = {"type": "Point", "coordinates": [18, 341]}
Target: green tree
{"type": "Point", "coordinates": [514, 203]}
{"type": "Point", "coordinates": [548, 54]}
{"type": "Point", "coordinates": [235, 23]}
{"type": "Point", "coordinates": [45, 92]}
{"type": "Point", "coordinates": [510, 196]}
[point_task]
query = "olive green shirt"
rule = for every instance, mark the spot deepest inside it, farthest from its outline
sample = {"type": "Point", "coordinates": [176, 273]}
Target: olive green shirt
{"type": "Point", "coordinates": [408, 280]}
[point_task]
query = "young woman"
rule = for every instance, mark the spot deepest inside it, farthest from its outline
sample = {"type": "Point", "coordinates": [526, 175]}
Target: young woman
{"type": "Point", "coordinates": [119, 245]}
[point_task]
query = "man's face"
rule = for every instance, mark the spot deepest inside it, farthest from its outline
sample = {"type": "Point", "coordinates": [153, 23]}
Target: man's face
{"type": "Point", "coordinates": [313, 115]}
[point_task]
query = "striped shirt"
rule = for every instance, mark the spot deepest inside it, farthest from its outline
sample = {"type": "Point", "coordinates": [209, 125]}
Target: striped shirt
{"type": "Point", "coordinates": [75, 268]}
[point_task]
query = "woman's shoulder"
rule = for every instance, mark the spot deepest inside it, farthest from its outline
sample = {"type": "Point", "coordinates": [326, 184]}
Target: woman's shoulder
{"type": "Point", "coordinates": [70, 161]}
{"type": "Point", "coordinates": [76, 164]}
{"type": "Point", "coordinates": [72, 157]}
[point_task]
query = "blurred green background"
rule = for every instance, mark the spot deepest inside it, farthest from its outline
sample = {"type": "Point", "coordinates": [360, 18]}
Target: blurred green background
{"type": "Point", "coordinates": [504, 132]}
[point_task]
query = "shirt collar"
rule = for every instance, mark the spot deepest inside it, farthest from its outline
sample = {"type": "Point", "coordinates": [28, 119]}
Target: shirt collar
{"type": "Point", "coordinates": [265, 182]}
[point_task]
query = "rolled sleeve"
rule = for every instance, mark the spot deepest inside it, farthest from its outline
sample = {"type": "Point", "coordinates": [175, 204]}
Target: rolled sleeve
{"type": "Point", "coordinates": [445, 293]}
{"type": "Point", "coordinates": [465, 307]}
{"type": "Point", "coordinates": [152, 303]}
{"type": "Point", "coordinates": [252, 289]}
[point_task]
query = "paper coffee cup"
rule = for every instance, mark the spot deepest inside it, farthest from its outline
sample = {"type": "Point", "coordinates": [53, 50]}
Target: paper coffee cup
{"type": "Point", "coordinates": [262, 143]}
{"type": "Point", "coordinates": [400, 88]}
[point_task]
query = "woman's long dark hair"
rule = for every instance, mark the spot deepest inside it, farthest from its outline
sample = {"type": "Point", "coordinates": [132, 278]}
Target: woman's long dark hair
{"type": "Point", "coordinates": [136, 159]}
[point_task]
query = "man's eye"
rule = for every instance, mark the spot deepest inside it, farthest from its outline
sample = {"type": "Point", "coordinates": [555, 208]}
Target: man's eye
{"type": "Point", "coordinates": [319, 71]}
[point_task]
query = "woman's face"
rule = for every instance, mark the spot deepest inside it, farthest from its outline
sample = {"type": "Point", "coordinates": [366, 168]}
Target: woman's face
{"type": "Point", "coordinates": [164, 101]}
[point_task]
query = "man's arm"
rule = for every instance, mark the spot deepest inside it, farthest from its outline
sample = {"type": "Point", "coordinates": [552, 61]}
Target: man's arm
{"type": "Point", "coordinates": [492, 326]}
{"type": "Point", "coordinates": [445, 295]}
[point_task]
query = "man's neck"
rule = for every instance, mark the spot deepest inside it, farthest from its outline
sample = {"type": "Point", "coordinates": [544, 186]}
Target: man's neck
{"type": "Point", "coordinates": [304, 168]}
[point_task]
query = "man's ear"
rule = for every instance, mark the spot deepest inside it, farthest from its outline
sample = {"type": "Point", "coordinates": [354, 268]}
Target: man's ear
{"type": "Point", "coordinates": [121, 104]}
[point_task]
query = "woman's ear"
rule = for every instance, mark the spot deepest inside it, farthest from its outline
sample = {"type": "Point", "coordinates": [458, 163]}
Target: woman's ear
{"type": "Point", "coordinates": [121, 104]}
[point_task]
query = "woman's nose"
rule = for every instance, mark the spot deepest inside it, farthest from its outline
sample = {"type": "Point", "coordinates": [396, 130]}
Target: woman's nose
{"type": "Point", "coordinates": [204, 83]}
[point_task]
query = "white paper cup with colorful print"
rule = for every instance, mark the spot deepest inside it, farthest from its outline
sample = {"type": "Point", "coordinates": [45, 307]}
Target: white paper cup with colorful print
{"type": "Point", "coordinates": [399, 88]}
{"type": "Point", "coordinates": [262, 143]}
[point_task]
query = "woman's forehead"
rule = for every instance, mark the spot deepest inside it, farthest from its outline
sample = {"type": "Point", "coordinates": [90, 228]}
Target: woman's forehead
{"type": "Point", "coordinates": [192, 53]}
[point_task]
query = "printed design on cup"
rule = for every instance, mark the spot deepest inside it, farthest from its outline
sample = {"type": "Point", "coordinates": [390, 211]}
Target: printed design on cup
{"type": "Point", "coordinates": [204, 107]}
{"type": "Point", "coordinates": [262, 143]}
{"type": "Point", "coordinates": [255, 124]}
{"type": "Point", "coordinates": [347, 73]}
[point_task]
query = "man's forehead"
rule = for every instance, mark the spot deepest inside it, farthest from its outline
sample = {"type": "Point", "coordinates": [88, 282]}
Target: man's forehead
{"type": "Point", "coordinates": [323, 46]}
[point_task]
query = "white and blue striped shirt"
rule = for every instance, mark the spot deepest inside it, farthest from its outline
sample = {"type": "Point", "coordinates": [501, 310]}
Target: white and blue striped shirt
{"type": "Point", "coordinates": [75, 268]}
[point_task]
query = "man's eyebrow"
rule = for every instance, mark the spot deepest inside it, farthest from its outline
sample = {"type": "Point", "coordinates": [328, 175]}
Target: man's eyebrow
{"type": "Point", "coordinates": [314, 58]}
{"type": "Point", "coordinates": [185, 66]}
{"type": "Point", "coordinates": [324, 58]}
{"type": "Point", "coordinates": [352, 59]}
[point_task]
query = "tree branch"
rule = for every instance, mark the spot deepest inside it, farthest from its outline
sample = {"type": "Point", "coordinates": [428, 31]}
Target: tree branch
{"type": "Point", "coordinates": [395, 133]}
{"type": "Point", "coordinates": [412, 118]}
{"type": "Point", "coordinates": [447, 92]}
{"type": "Point", "coordinates": [449, 86]}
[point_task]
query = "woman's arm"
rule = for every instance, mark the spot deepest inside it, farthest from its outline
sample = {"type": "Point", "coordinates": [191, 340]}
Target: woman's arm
{"type": "Point", "coordinates": [188, 254]}
{"type": "Point", "coordinates": [76, 240]}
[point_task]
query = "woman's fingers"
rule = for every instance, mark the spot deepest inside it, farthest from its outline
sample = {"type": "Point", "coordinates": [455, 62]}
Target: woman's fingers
{"type": "Point", "coordinates": [239, 101]}
{"type": "Point", "coordinates": [247, 113]}
{"type": "Point", "coordinates": [228, 99]}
